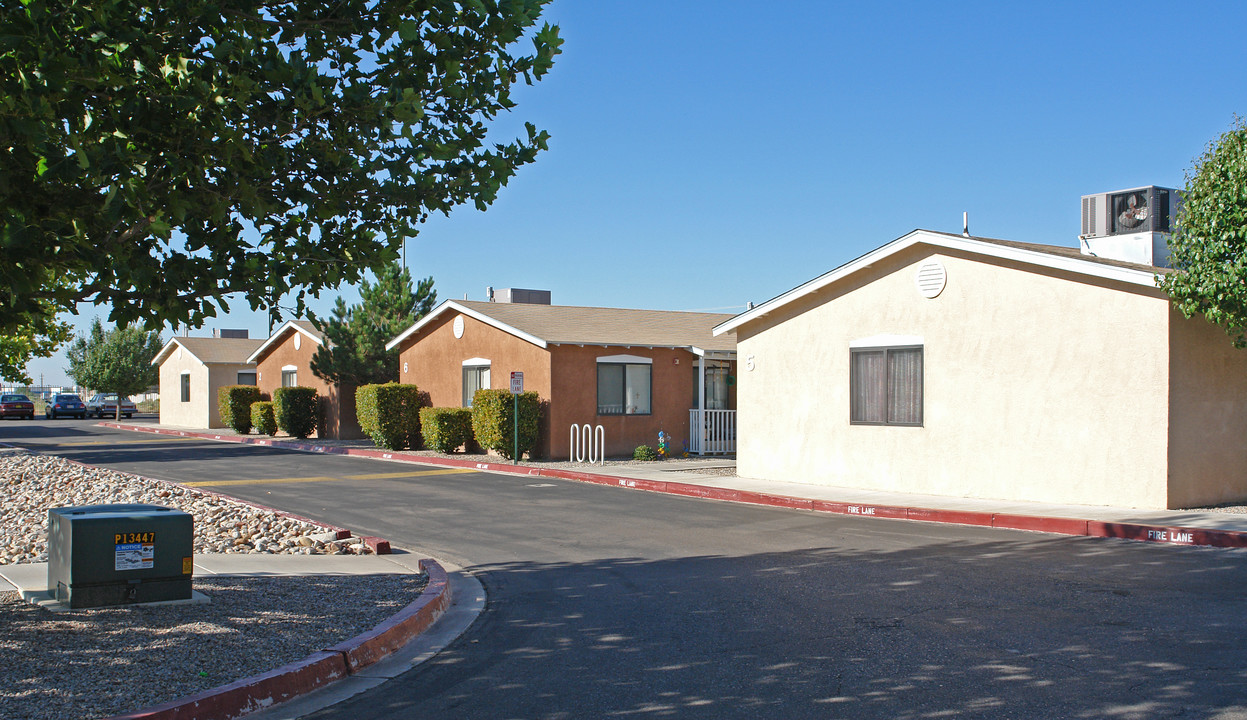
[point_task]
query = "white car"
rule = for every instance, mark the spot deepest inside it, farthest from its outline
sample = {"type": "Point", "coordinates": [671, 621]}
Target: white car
{"type": "Point", "coordinates": [103, 405]}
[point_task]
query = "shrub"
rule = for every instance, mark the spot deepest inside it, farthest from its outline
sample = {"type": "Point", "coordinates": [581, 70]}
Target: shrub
{"type": "Point", "coordinates": [445, 429]}
{"type": "Point", "coordinates": [389, 414]}
{"type": "Point", "coordinates": [644, 452]}
{"type": "Point", "coordinates": [492, 424]}
{"type": "Point", "coordinates": [234, 402]}
{"type": "Point", "coordinates": [296, 409]}
{"type": "Point", "coordinates": [262, 417]}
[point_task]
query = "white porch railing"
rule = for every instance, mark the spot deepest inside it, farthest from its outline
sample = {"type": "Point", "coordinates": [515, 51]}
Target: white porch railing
{"type": "Point", "coordinates": [712, 432]}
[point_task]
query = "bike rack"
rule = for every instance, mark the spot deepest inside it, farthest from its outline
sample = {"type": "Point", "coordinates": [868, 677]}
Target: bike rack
{"type": "Point", "coordinates": [586, 439]}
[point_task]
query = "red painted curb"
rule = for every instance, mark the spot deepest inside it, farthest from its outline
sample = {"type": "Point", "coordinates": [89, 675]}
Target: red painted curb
{"type": "Point", "coordinates": [316, 670]}
{"type": "Point", "coordinates": [1059, 526]}
{"type": "Point", "coordinates": [250, 694]}
{"type": "Point", "coordinates": [367, 648]}
{"type": "Point", "coordinates": [379, 546]}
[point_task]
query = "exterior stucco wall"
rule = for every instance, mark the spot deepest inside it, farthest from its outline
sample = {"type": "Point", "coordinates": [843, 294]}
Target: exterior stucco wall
{"type": "Point", "coordinates": [202, 411]}
{"type": "Point", "coordinates": [340, 421]}
{"type": "Point", "coordinates": [1038, 385]}
{"type": "Point", "coordinates": [574, 399]}
{"type": "Point", "coordinates": [433, 361]}
{"type": "Point", "coordinates": [1208, 420]}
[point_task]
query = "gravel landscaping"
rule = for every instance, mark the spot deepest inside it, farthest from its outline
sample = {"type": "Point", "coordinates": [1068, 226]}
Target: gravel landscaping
{"type": "Point", "coordinates": [104, 661]}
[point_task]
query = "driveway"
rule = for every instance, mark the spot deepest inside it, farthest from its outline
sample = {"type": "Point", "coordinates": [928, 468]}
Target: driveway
{"type": "Point", "coordinates": [612, 603]}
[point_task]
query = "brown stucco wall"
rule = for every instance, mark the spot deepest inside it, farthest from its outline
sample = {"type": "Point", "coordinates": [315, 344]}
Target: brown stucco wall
{"type": "Point", "coordinates": [433, 359]}
{"type": "Point", "coordinates": [563, 375]}
{"type": "Point", "coordinates": [339, 406]}
{"type": "Point", "coordinates": [574, 399]}
{"type": "Point", "coordinates": [1208, 415]}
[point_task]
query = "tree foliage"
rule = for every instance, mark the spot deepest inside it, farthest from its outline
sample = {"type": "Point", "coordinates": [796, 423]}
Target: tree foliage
{"type": "Point", "coordinates": [159, 157]}
{"type": "Point", "coordinates": [355, 338]}
{"type": "Point", "coordinates": [40, 336]}
{"type": "Point", "coordinates": [1209, 247]}
{"type": "Point", "coordinates": [117, 361]}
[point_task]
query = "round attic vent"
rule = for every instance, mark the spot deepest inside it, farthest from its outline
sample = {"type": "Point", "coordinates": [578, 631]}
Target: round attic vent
{"type": "Point", "coordinates": [458, 326]}
{"type": "Point", "coordinates": [931, 278]}
{"type": "Point", "coordinates": [298, 341]}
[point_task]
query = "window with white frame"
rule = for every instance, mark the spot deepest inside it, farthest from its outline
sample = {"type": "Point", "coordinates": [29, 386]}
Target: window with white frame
{"type": "Point", "coordinates": [885, 385]}
{"type": "Point", "coordinates": [289, 376]}
{"type": "Point", "coordinates": [624, 385]}
{"type": "Point", "coordinates": [715, 386]}
{"type": "Point", "coordinates": [186, 387]}
{"type": "Point", "coordinates": [475, 377]}
{"type": "Point", "coordinates": [246, 377]}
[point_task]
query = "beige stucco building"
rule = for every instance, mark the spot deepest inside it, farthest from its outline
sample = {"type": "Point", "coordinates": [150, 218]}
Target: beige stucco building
{"type": "Point", "coordinates": [973, 367]}
{"type": "Point", "coordinates": [193, 369]}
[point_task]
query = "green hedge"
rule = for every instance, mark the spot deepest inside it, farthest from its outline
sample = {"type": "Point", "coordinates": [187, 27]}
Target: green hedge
{"type": "Point", "coordinates": [234, 402]}
{"type": "Point", "coordinates": [297, 410]}
{"type": "Point", "coordinates": [389, 414]}
{"type": "Point", "coordinates": [445, 429]}
{"type": "Point", "coordinates": [492, 412]}
{"type": "Point", "coordinates": [262, 417]}
{"type": "Point", "coordinates": [644, 452]}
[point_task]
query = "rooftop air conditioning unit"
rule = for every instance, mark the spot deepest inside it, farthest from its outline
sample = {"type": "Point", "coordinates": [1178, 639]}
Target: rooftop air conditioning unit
{"type": "Point", "coordinates": [1130, 225]}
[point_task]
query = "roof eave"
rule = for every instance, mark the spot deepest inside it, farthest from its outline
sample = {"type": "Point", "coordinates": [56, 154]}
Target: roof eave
{"type": "Point", "coordinates": [968, 244]}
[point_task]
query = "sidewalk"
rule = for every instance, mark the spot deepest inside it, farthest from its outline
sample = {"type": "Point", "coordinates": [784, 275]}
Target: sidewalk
{"type": "Point", "coordinates": [1179, 527]}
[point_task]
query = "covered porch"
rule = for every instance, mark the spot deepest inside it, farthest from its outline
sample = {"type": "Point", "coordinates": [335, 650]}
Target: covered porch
{"type": "Point", "coordinates": [712, 423]}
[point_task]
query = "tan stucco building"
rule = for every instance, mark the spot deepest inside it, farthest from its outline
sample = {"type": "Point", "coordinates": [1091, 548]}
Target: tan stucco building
{"type": "Point", "coordinates": [285, 358]}
{"type": "Point", "coordinates": [634, 372]}
{"type": "Point", "coordinates": [974, 367]}
{"type": "Point", "coordinates": [193, 369]}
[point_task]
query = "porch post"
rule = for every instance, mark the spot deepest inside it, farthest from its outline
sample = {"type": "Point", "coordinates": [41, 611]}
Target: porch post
{"type": "Point", "coordinates": [701, 404]}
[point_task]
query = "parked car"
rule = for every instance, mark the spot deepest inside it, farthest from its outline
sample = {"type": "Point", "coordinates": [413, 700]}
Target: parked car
{"type": "Point", "coordinates": [18, 406]}
{"type": "Point", "coordinates": [63, 404]}
{"type": "Point", "coordinates": [105, 405]}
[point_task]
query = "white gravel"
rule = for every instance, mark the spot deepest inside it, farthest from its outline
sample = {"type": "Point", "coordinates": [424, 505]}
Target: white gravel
{"type": "Point", "coordinates": [105, 661]}
{"type": "Point", "coordinates": [30, 484]}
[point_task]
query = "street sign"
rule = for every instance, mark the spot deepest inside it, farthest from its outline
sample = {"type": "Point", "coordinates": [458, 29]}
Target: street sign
{"type": "Point", "coordinates": [517, 383]}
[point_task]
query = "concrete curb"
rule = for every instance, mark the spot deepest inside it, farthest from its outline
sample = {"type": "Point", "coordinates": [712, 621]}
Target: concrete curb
{"type": "Point", "coordinates": [316, 670]}
{"type": "Point", "coordinates": [1169, 535]}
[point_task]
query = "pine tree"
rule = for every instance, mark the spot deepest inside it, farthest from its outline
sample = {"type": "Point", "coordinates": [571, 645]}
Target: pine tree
{"type": "Point", "coordinates": [355, 337]}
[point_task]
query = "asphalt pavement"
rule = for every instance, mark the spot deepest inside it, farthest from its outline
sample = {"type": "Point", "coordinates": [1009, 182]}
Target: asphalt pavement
{"type": "Point", "coordinates": [603, 601]}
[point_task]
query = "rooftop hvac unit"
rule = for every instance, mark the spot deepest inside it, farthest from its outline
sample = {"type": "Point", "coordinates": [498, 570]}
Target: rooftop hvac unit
{"type": "Point", "coordinates": [1130, 225]}
{"type": "Point", "coordinates": [1125, 212]}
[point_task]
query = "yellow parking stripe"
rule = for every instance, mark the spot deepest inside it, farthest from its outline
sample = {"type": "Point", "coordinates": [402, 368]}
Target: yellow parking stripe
{"type": "Point", "coordinates": [262, 481]}
{"type": "Point", "coordinates": [373, 476]}
{"type": "Point", "coordinates": [417, 473]}
{"type": "Point", "coordinates": [123, 442]}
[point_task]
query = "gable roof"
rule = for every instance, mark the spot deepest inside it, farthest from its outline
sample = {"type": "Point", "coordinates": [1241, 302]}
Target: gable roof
{"type": "Point", "coordinates": [1051, 256]}
{"type": "Point", "coordinates": [304, 327]}
{"type": "Point", "coordinates": [545, 325]}
{"type": "Point", "coordinates": [210, 350]}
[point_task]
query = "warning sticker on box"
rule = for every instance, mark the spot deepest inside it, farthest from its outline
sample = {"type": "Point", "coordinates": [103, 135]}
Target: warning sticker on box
{"type": "Point", "coordinates": [135, 556]}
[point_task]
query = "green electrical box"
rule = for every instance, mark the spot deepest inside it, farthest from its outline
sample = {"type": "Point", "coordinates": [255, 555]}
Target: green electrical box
{"type": "Point", "coordinates": [119, 554]}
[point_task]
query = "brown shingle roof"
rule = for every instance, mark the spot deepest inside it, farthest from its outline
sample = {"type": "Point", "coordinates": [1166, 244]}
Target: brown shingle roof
{"type": "Point", "coordinates": [219, 350]}
{"type": "Point", "coordinates": [571, 325]}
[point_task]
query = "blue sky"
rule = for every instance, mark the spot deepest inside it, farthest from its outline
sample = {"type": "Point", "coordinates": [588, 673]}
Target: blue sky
{"type": "Point", "coordinates": [709, 153]}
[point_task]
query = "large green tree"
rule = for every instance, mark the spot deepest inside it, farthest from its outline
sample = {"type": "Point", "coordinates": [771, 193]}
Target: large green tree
{"type": "Point", "coordinates": [1209, 246]}
{"type": "Point", "coordinates": [40, 337]}
{"type": "Point", "coordinates": [355, 337]}
{"type": "Point", "coordinates": [158, 157]}
{"type": "Point", "coordinates": [117, 360]}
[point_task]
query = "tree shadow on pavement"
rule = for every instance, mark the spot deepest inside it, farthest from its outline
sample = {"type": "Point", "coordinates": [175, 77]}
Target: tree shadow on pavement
{"type": "Point", "coordinates": [1057, 627]}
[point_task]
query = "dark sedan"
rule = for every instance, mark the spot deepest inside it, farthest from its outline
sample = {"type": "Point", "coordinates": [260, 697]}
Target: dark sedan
{"type": "Point", "coordinates": [65, 404]}
{"type": "Point", "coordinates": [18, 406]}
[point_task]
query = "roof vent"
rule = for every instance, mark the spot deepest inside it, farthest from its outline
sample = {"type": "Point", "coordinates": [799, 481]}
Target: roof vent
{"type": "Point", "coordinates": [224, 333]}
{"type": "Point", "coordinates": [931, 279]}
